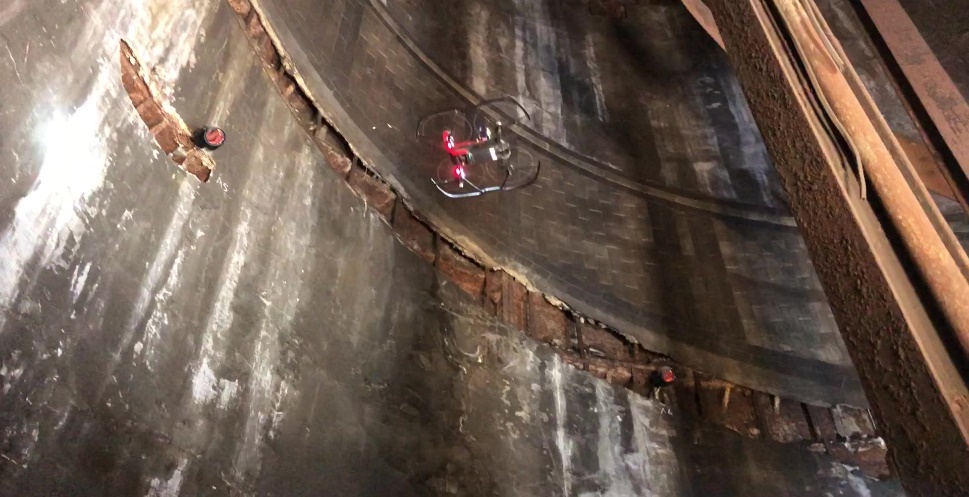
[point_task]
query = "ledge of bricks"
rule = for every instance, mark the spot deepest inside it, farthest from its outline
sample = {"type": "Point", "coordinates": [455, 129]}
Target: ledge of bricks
{"type": "Point", "coordinates": [169, 131]}
{"type": "Point", "coordinates": [847, 434]}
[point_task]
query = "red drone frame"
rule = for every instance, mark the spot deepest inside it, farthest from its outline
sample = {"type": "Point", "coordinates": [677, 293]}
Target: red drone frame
{"type": "Point", "coordinates": [480, 156]}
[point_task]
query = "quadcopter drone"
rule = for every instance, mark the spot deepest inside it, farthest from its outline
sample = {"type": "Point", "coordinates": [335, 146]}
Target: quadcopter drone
{"type": "Point", "coordinates": [480, 156]}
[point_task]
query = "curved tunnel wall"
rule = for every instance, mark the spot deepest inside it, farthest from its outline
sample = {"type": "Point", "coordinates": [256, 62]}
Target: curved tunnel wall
{"type": "Point", "coordinates": [674, 232]}
{"type": "Point", "coordinates": [264, 333]}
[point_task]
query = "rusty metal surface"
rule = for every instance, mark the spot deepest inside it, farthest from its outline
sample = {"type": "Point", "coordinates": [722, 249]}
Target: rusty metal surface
{"type": "Point", "coordinates": [917, 146]}
{"type": "Point", "coordinates": [888, 88]}
{"type": "Point", "coordinates": [832, 78]}
{"type": "Point", "coordinates": [902, 361]}
{"type": "Point", "coordinates": [935, 90]}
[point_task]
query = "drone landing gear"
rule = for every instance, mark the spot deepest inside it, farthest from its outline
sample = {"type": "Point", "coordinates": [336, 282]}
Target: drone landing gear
{"type": "Point", "coordinates": [452, 180]}
{"type": "Point", "coordinates": [481, 158]}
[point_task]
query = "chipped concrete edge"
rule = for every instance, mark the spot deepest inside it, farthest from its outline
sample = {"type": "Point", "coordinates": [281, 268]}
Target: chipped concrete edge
{"type": "Point", "coordinates": [166, 126]}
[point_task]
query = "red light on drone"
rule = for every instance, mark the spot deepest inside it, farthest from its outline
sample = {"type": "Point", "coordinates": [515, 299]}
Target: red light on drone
{"type": "Point", "coordinates": [458, 171]}
{"type": "Point", "coordinates": [448, 142]}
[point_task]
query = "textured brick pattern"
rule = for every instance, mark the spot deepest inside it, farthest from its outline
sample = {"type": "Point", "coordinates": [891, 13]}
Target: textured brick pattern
{"type": "Point", "coordinates": [170, 132]}
{"type": "Point", "coordinates": [374, 190]}
{"type": "Point", "coordinates": [566, 53]}
{"type": "Point", "coordinates": [414, 234]}
{"type": "Point", "coordinates": [723, 286]}
{"type": "Point", "coordinates": [546, 322]}
{"type": "Point", "coordinates": [847, 433]}
{"type": "Point", "coordinates": [468, 276]}
{"type": "Point", "coordinates": [784, 421]}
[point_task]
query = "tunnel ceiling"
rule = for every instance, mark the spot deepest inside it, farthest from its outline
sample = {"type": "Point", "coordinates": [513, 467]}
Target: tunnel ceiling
{"type": "Point", "coordinates": [657, 212]}
{"type": "Point", "coordinates": [268, 330]}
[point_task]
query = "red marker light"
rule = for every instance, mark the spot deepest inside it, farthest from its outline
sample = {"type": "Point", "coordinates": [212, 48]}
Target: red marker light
{"type": "Point", "coordinates": [209, 137]}
{"type": "Point", "coordinates": [458, 171]}
{"type": "Point", "coordinates": [215, 137]}
{"type": "Point", "coordinates": [667, 375]}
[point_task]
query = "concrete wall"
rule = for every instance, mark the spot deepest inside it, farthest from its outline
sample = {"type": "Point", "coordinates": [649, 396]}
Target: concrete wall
{"type": "Point", "coordinates": [265, 333]}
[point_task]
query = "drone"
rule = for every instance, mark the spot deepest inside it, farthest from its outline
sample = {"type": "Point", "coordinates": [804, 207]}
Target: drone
{"type": "Point", "coordinates": [480, 156]}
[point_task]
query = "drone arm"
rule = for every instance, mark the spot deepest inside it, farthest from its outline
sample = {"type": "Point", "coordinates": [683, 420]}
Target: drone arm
{"type": "Point", "coordinates": [538, 170]}
{"type": "Point", "coordinates": [477, 192]}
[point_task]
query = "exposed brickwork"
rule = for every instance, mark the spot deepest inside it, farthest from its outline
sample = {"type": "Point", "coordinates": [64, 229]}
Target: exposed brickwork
{"type": "Point", "coordinates": [337, 161]}
{"type": "Point", "coordinates": [848, 435]}
{"type": "Point", "coordinates": [600, 342]}
{"type": "Point", "coordinates": [727, 405]}
{"type": "Point", "coordinates": [194, 163]}
{"type": "Point", "coordinates": [331, 139]}
{"type": "Point", "coordinates": [601, 351]}
{"type": "Point", "coordinates": [169, 131]}
{"type": "Point", "coordinates": [616, 373]}
{"type": "Point", "coordinates": [572, 359]}
{"type": "Point", "coordinates": [303, 110]}
{"type": "Point", "coordinates": [514, 301]}
{"type": "Point", "coordinates": [870, 456]}
{"type": "Point", "coordinates": [413, 233]}
{"type": "Point", "coordinates": [506, 298]}
{"type": "Point", "coordinates": [546, 322]}
{"type": "Point", "coordinates": [261, 41]}
{"type": "Point", "coordinates": [135, 86]}
{"type": "Point", "coordinates": [642, 379]}
{"type": "Point", "coordinates": [492, 294]}
{"type": "Point", "coordinates": [377, 193]}
{"type": "Point", "coordinates": [150, 111]}
{"type": "Point", "coordinates": [167, 137]}
{"type": "Point", "coordinates": [822, 423]}
{"type": "Point", "coordinates": [287, 85]}
{"type": "Point", "coordinates": [462, 271]}
{"type": "Point", "coordinates": [783, 420]}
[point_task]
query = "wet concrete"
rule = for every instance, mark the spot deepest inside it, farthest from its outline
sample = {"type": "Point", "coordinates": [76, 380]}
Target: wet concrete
{"type": "Point", "coordinates": [264, 333]}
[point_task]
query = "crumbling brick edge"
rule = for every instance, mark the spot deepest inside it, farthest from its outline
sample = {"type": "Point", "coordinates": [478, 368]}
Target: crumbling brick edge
{"type": "Point", "coordinates": [171, 133]}
{"type": "Point", "coordinates": [846, 433]}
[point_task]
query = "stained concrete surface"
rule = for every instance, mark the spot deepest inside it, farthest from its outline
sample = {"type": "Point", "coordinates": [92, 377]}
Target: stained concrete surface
{"type": "Point", "coordinates": [657, 211]}
{"type": "Point", "coordinates": [264, 334]}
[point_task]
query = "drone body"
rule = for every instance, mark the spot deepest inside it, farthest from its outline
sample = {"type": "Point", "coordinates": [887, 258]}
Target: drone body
{"type": "Point", "coordinates": [480, 158]}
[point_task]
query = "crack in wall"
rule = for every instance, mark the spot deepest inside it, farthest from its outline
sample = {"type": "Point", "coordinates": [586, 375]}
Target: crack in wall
{"type": "Point", "coordinates": [169, 130]}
